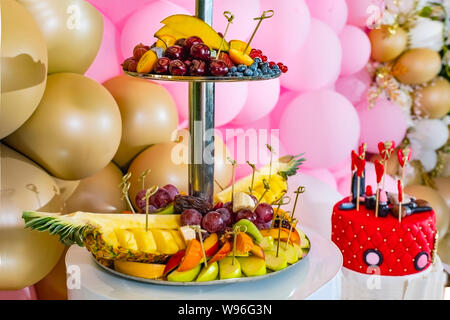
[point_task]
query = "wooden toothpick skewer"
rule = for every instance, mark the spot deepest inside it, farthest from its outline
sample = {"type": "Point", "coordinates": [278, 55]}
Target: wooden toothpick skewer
{"type": "Point", "coordinates": [265, 15]}
{"type": "Point", "coordinates": [253, 176]}
{"type": "Point", "coordinates": [358, 192]}
{"type": "Point", "coordinates": [148, 193]}
{"type": "Point", "coordinates": [279, 234]}
{"type": "Point", "coordinates": [377, 200]}
{"type": "Point", "coordinates": [233, 179]}
{"type": "Point", "coordinates": [142, 178]}
{"type": "Point", "coordinates": [200, 237]}
{"type": "Point", "coordinates": [300, 189]}
{"type": "Point", "coordinates": [230, 17]}
{"type": "Point", "coordinates": [290, 231]}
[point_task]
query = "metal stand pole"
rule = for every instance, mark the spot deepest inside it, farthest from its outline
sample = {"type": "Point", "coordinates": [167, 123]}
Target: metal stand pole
{"type": "Point", "coordinates": [201, 125]}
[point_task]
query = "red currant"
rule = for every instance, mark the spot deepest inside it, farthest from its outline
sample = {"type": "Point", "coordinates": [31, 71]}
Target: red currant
{"type": "Point", "coordinates": [264, 58]}
{"type": "Point", "coordinates": [259, 51]}
{"type": "Point", "coordinates": [271, 64]}
{"type": "Point", "coordinates": [280, 65]}
{"type": "Point", "coordinates": [284, 69]}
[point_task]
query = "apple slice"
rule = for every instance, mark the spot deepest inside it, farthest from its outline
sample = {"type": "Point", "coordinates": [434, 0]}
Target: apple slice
{"type": "Point", "coordinates": [267, 243]}
{"type": "Point", "coordinates": [275, 263]}
{"type": "Point", "coordinates": [209, 273]}
{"type": "Point", "coordinates": [192, 257]}
{"type": "Point", "coordinates": [222, 253]}
{"type": "Point", "coordinates": [253, 266]}
{"type": "Point", "coordinates": [184, 276]}
{"type": "Point", "coordinates": [295, 237]}
{"type": "Point", "coordinates": [174, 261]}
{"type": "Point", "coordinates": [290, 252]}
{"type": "Point", "coordinates": [228, 269]}
{"type": "Point", "coordinates": [211, 245]}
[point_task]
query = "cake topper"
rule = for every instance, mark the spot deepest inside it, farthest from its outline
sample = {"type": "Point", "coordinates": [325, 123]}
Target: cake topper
{"type": "Point", "coordinates": [360, 163]}
{"type": "Point", "coordinates": [400, 199]}
{"type": "Point", "coordinates": [379, 169]}
{"type": "Point", "coordinates": [404, 155]}
{"type": "Point", "coordinates": [386, 149]}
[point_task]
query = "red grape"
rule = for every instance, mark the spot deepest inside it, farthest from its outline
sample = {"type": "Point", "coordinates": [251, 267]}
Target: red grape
{"type": "Point", "coordinates": [191, 217]}
{"type": "Point", "coordinates": [177, 68]}
{"type": "Point", "coordinates": [213, 222]}
{"type": "Point", "coordinates": [200, 51]}
{"type": "Point", "coordinates": [130, 64]}
{"type": "Point", "coordinates": [226, 216]}
{"type": "Point", "coordinates": [229, 206]}
{"type": "Point", "coordinates": [246, 214]}
{"type": "Point", "coordinates": [197, 68]}
{"type": "Point", "coordinates": [174, 52]}
{"type": "Point", "coordinates": [264, 212]}
{"type": "Point", "coordinates": [172, 190]}
{"type": "Point", "coordinates": [140, 202]}
{"type": "Point", "coordinates": [190, 42]}
{"type": "Point", "coordinates": [160, 199]}
{"type": "Point", "coordinates": [162, 65]}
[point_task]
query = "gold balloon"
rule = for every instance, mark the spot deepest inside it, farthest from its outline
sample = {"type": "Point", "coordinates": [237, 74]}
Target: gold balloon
{"type": "Point", "coordinates": [414, 174]}
{"type": "Point", "coordinates": [73, 31]}
{"type": "Point", "coordinates": [149, 115]}
{"type": "Point", "coordinates": [54, 285]}
{"type": "Point", "coordinates": [443, 188]}
{"type": "Point", "coordinates": [98, 193]}
{"type": "Point", "coordinates": [26, 256]}
{"type": "Point", "coordinates": [436, 201]}
{"type": "Point", "coordinates": [75, 130]}
{"type": "Point", "coordinates": [24, 66]}
{"type": "Point", "coordinates": [168, 164]}
{"type": "Point", "coordinates": [387, 46]}
{"type": "Point", "coordinates": [417, 66]}
{"type": "Point", "coordinates": [433, 101]}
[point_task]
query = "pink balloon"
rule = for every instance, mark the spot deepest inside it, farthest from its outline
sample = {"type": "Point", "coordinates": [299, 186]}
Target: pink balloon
{"type": "Point", "coordinates": [107, 63]}
{"type": "Point", "coordinates": [385, 121]}
{"type": "Point", "coordinates": [261, 99]}
{"type": "Point", "coordinates": [251, 146]}
{"type": "Point", "coordinates": [118, 9]}
{"type": "Point", "coordinates": [28, 293]}
{"type": "Point", "coordinates": [323, 124]}
{"type": "Point", "coordinates": [243, 23]}
{"type": "Point", "coordinates": [317, 63]}
{"type": "Point", "coordinates": [355, 49]}
{"type": "Point", "coordinates": [285, 32]}
{"type": "Point", "coordinates": [341, 170]}
{"type": "Point", "coordinates": [143, 23]}
{"type": "Point", "coordinates": [230, 98]}
{"type": "Point", "coordinates": [332, 12]}
{"type": "Point", "coordinates": [323, 175]}
{"type": "Point", "coordinates": [284, 100]}
{"type": "Point", "coordinates": [363, 13]}
{"type": "Point", "coordinates": [371, 179]}
{"type": "Point", "coordinates": [355, 86]}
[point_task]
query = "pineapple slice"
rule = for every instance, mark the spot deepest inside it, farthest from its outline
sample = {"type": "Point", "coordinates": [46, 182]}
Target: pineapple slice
{"type": "Point", "coordinates": [145, 240]}
{"type": "Point", "coordinates": [281, 170]}
{"type": "Point", "coordinates": [177, 237]}
{"type": "Point", "coordinates": [187, 233]}
{"type": "Point", "coordinates": [165, 241]}
{"type": "Point", "coordinates": [126, 239]}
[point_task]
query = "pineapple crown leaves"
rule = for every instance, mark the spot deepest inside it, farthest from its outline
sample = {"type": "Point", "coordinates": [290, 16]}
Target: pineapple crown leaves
{"type": "Point", "coordinates": [68, 233]}
{"type": "Point", "coordinates": [293, 163]}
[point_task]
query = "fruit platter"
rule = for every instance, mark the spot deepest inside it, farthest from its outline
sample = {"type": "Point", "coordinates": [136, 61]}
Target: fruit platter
{"type": "Point", "coordinates": [176, 239]}
{"type": "Point", "coordinates": [188, 49]}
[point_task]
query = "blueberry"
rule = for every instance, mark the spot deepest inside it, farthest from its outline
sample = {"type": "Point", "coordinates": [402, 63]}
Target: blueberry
{"type": "Point", "coordinates": [241, 68]}
{"type": "Point", "coordinates": [260, 73]}
{"type": "Point", "coordinates": [238, 74]}
{"type": "Point", "coordinates": [253, 67]}
{"type": "Point", "coordinates": [265, 70]}
{"type": "Point", "coordinates": [255, 73]}
{"type": "Point", "coordinates": [228, 74]}
{"type": "Point", "coordinates": [275, 67]}
{"type": "Point", "coordinates": [277, 72]}
{"type": "Point", "coordinates": [257, 60]}
{"type": "Point", "coordinates": [265, 64]}
{"type": "Point", "coordinates": [248, 73]}
{"type": "Point", "coordinates": [233, 69]}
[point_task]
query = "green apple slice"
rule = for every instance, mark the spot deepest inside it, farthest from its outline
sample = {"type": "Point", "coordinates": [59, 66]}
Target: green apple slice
{"type": "Point", "coordinates": [299, 251]}
{"type": "Point", "coordinates": [228, 270]}
{"type": "Point", "coordinates": [253, 266]}
{"type": "Point", "coordinates": [304, 241]}
{"type": "Point", "coordinates": [290, 252]}
{"type": "Point", "coordinates": [267, 243]}
{"type": "Point", "coordinates": [185, 276]}
{"type": "Point", "coordinates": [209, 273]}
{"type": "Point", "coordinates": [275, 263]}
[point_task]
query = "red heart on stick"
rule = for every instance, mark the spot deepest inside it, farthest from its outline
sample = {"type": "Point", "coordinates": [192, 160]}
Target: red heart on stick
{"type": "Point", "coordinates": [386, 148]}
{"type": "Point", "coordinates": [379, 169]}
{"type": "Point", "coordinates": [354, 157]}
{"type": "Point", "coordinates": [360, 165]}
{"type": "Point", "coordinates": [404, 155]}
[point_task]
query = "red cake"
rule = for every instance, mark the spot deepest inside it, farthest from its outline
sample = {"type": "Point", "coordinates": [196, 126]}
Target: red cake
{"type": "Point", "coordinates": [398, 248]}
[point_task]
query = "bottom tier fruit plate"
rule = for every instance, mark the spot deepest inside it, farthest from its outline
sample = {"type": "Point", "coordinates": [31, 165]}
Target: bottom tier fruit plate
{"type": "Point", "coordinates": [205, 283]}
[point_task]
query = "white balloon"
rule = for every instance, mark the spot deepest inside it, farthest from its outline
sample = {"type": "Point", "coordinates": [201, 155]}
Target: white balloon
{"type": "Point", "coordinates": [428, 134]}
{"type": "Point", "coordinates": [428, 158]}
{"type": "Point", "coordinates": [315, 206]}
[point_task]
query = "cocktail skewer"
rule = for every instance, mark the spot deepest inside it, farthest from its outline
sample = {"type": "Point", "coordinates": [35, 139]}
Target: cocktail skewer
{"type": "Point", "coordinates": [233, 178]}
{"type": "Point", "coordinates": [148, 193]}
{"type": "Point", "coordinates": [125, 187]}
{"type": "Point", "coordinates": [253, 176]}
{"type": "Point", "coordinates": [300, 189]}
{"type": "Point", "coordinates": [279, 234]}
{"type": "Point", "coordinates": [265, 15]}
{"type": "Point", "coordinates": [230, 17]}
{"type": "Point", "coordinates": [142, 177]}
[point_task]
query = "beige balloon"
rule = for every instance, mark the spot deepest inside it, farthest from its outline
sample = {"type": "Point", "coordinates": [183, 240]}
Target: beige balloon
{"type": "Point", "coordinates": [26, 256]}
{"type": "Point", "coordinates": [73, 31]}
{"type": "Point", "coordinates": [24, 64]}
{"type": "Point", "coordinates": [149, 115]}
{"type": "Point", "coordinates": [433, 101]}
{"type": "Point", "coordinates": [54, 284]}
{"type": "Point", "coordinates": [443, 188]}
{"type": "Point", "coordinates": [444, 249]}
{"type": "Point", "coordinates": [98, 193]}
{"type": "Point", "coordinates": [436, 201]}
{"type": "Point", "coordinates": [387, 46]}
{"type": "Point", "coordinates": [168, 164]}
{"type": "Point", "coordinates": [75, 130]}
{"type": "Point", "coordinates": [417, 66]}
